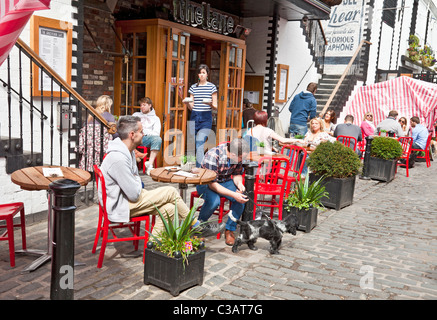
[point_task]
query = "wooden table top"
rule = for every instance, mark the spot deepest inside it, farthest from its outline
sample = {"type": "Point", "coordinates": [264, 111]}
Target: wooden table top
{"type": "Point", "coordinates": [163, 175]}
{"type": "Point", "coordinates": [32, 178]}
{"type": "Point", "coordinates": [255, 156]}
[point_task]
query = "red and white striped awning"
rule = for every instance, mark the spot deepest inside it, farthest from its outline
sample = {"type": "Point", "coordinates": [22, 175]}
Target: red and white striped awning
{"type": "Point", "coordinates": [14, 15]}
{"type": "Point", "coordinates": [409, 97]}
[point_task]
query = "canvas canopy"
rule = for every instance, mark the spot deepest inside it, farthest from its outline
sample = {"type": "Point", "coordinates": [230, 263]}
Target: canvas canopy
{"type": "Point", "coordinates": [409, 97]}
{"type": "Point", "coordinates": [14, 14]}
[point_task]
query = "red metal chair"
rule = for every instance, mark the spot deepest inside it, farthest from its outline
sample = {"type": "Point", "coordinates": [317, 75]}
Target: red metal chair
{"type": "Point", "coordinates": [406, 143]}
{"type": "Point", "coordinates": [347, 141]}
{"type": "Point", "coordinates": [295, 167]}
{"type": "Point", "coordinates": [268, 182]}
{"type": "Point", "coordinates": [426, 150]}
{"type": "Point", "coordinates": [105, 225]}
{"type": "Point", "coordinates": [221, 212]}
{"type": "Point", "coordinates": [142, 163]}
{"type": "Point", "coordinates": [7, 213]}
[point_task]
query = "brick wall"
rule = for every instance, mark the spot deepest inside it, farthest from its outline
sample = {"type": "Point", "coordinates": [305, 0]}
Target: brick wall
{"type": "Point", "coordinates": [98, 68]}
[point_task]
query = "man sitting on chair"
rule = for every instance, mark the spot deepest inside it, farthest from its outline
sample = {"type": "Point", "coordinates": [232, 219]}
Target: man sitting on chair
{"type": "Point", "coordinates": [125, 196]}
{"type": "Point", "coordinates": [349, 129]}
{"type": "Point", "coordinates": [226, 161]}
{"type": "Point", "coordinates": [419, 134]}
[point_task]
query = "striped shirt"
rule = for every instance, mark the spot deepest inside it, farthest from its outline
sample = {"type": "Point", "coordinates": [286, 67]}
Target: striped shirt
{"type": "Point", "coordinates": [202, 92]}
{"type": "Point", "coordinates": [217, 160]}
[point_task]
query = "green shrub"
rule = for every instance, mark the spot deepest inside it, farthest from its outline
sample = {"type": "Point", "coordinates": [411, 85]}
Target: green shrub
{"type": "Point", "coordinates": [334, 160]}
{"type": "Point", "coordinates": [386, 148]}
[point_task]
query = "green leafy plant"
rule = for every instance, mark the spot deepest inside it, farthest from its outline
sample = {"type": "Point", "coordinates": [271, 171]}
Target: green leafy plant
{"type": "Point", "coordinates": [386, 148]}
{"type": "Point", "coordinates": [334, 160]}
{"type": "Point", "coordinates": [185, 159]}
{"type": "Point", "coordinates": [306, 196]}
{"type": "Point", "coordinates": [178, 238]}
{"type": "Point", "coordinates": [299, 136]}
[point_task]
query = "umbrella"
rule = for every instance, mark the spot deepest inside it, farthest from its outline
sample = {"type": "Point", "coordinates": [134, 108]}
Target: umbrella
{"type": "Point", "coordinates": [14, 15]}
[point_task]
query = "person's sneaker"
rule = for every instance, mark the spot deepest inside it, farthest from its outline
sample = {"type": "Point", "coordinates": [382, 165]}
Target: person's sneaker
{"type": "Point", "coordinates": [149, 167]}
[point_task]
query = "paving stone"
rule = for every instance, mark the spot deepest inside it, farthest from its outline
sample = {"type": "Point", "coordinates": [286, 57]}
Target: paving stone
{"type": "Point", "coordinates": [383, 229]}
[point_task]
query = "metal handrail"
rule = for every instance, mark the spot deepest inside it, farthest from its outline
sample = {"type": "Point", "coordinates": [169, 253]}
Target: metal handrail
{"type": "Point", "coordinates": [64, 84]}
{"type": "Point", "coordinates": [346, 71]}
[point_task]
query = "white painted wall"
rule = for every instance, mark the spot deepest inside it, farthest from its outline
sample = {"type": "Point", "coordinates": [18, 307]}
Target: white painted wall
{"type": "Point", "coordinates": [35, 201]}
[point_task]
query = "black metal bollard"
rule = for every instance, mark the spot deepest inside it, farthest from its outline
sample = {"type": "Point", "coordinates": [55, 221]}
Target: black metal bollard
{"type": "Point", "coordinates": [365, 174]}
{"type": "Point", "coordinates": [249, 183]}
{"type": "Point", "coordinates": [63, 209]}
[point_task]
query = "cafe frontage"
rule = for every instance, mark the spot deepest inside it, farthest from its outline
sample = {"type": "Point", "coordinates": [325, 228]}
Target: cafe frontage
{"type": "Point", "coordinates": [160, 45]}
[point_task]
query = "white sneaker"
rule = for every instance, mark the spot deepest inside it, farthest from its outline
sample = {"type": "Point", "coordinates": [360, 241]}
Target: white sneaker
{"type": "Point", "coordinates": [149, 168]}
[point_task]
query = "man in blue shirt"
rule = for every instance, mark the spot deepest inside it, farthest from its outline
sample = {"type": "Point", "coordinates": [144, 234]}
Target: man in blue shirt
{"type": "Point", "coordinates": [419, 134]}
{"type": "Point", "coordinates": [302, 106]}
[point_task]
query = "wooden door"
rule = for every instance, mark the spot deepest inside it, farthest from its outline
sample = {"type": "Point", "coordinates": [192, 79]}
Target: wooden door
{"type": "Point", "coordinates": [230, 113]}
{"type": "Point", "coordinates": [176, 90]}
{"type": "Point", "coordinates": [254, 88]}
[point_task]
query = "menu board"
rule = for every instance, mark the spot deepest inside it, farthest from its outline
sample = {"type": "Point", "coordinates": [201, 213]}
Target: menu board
{"type": "Point", "coordinates": [52, 49]}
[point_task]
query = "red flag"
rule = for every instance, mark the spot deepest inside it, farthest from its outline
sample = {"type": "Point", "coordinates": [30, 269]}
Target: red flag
{"type": "Point", "coordinates": [14, 15]}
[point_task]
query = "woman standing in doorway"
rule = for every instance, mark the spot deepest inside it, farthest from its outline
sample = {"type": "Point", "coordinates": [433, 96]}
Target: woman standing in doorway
{"type": "Point", "coordinates": [203, 98]}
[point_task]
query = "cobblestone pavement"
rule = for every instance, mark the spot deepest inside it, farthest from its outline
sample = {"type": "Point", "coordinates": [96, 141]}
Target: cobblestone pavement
{"type": "Point", "coordinates": [384, 246]}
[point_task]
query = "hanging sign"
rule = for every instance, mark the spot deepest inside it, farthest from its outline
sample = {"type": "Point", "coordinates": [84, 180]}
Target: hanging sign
{"type": "Point", "coordinates": [201, 15]}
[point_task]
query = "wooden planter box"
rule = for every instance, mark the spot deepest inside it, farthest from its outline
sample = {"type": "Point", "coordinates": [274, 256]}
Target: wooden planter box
{"type": "Point", "coordinates": [307, 219]}
{"type": "Point", "coordinates": [382, 170]}
{"type": "Point", "coordinates": [341, 191]}
{"type": "Point", "coordinates": [172, 274]}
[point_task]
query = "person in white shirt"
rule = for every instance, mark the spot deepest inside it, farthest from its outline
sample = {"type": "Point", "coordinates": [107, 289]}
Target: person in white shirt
{"type": "Point", "coordinates": [151, 130]}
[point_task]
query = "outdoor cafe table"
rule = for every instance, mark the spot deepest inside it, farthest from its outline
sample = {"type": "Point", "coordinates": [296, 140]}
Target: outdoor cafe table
{"type": "Point", "coordinates": [33, 179]}
{"type": "Point", "coordinates": [204, 176]}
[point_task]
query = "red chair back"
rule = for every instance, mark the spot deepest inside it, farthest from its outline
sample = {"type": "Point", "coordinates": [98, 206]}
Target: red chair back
{"type": "Point", "coordinates": [297, 156]}
{"type": "Point", "coordinates": [406, 143]}
{"type": "Point", "coordinates": [347, 141]}
{"type": "Point", "coordinates": [268, 181]}
{"type": "Point", "coordinates": [106, 228]}
{"type": "Point", "coordinates": [426, 150]}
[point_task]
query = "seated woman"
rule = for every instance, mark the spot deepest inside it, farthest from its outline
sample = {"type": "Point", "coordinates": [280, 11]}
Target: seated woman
{"type": "Point", "coordinates": [329, 121]}
{"type": "Point", "coordinates": [367, 126]}
{"type": "Point", "coordinates": [316, 135]}
{"type": "Point", "coordinates": [265, 134]}
{"type": "Point", "coordinates": [405, 129]}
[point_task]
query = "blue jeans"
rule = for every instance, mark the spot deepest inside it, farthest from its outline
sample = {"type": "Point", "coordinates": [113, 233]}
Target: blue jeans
{"type": "Point", "coordinates": [212, 201]}
{"type": "Point", "coordinates": [295, 129]}
{"type": "Point", "coordinates": [152, 142]}
{"type": "Point", "coordinates": [200, 124]}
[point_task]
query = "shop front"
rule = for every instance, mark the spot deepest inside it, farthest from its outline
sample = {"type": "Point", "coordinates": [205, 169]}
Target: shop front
{"type": "Point", "coordinates": [161, 60]}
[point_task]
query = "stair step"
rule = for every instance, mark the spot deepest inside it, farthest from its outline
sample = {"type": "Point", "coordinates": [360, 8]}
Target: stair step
{"type": "Point", "coordinates": [14, 149]}
{"type": "Point", "coordinates": [16, 162]}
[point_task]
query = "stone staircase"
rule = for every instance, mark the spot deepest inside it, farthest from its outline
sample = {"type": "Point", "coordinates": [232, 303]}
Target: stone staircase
{"type": "Point", "coordinates": [326, 86]}
{"type": "Point", "coordinates": [16, 157]}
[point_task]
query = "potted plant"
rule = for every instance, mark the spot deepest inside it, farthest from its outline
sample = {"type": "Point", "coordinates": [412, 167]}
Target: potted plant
{"type": "Point", "coordinates": [305, 202]}
{"type": "Point", "coordinates": [340, 166]}
{"type": "Point", "coordinates": [188, 162]}
{"type": "Point", "coordinates": [175, 258]}
{"type": "Point", "coordinates": [384, 154]}
{"type": "Point", "coordinates": [260, 146]}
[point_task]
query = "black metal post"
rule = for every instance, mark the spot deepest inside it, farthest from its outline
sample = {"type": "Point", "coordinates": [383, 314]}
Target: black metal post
{"type": "Point", "coordinates": [365, 174]}
{"type": "Point", "coordinates": [249, 183]}
{"type": "Point", "coordinates": [62, 276]}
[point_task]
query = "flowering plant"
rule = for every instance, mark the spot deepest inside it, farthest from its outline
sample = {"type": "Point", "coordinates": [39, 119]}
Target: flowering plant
{"type": "Point", "coordinates": [178, 238]}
